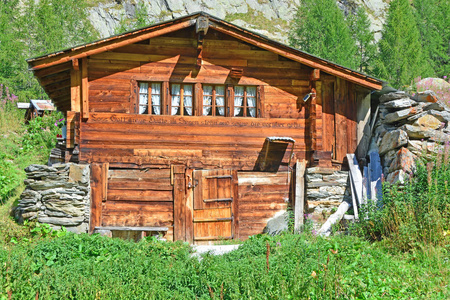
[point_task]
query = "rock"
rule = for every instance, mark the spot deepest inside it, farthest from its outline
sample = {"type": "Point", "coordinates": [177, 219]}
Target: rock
{"type": "Point", "coordinates": [434, 106]}
{"type": "Point", "coordinates": [79, 173]}
{"type": "Point", "coordinates": [443, 116]}
{"type": "Point", "coordinates": [393, 96]}
{"type": "Point", "coordinates": [398, 176]}
{"type": "Point", "coordinates": [415, 132]}
{"type": "Point", "coordinates": [416, 117]}
{"type": "Point", "coordinates": [313, 177]}
{"type": "Point", "coordinates": [392, 140]}
{"type": "Point", "coordinates": [399, 103]}
{"type": "Point", "coordinates": [426, 96]}
{"type": "Point", "coordinates": [427, 122]}
{"type": "Point", "coordinates": [401, 114]}
{"type": "Point", "coordinates": [278, 223]}
{"type": "Point", "coordinates": [61, 221]}
{"type": "Point", "coordinates": [388, 158]}
{"type": "Point", "coordinates": [39, 168]}
{"type": "Point", "coordinates": [404, 160]}
{"type": "Point", "coordinates": [438, 136]}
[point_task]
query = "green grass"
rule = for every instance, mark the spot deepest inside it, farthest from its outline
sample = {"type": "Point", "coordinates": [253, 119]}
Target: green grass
{"type": "Point", "coordinates": [299, 267]}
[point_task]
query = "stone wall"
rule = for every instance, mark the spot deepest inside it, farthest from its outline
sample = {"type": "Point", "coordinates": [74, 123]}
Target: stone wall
{"type": "Point", "coordinates": [325, 190]}
{"type": "Point", "coordinates": [58, 195]}
{"type": "Point", "coordinates": [408, 127]}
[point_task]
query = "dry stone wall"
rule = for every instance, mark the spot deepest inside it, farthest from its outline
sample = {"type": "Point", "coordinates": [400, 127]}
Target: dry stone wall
{"type": "Point", "coordinates": [58, 195]}
{"type": "Point", "coordinates": [408, 127]}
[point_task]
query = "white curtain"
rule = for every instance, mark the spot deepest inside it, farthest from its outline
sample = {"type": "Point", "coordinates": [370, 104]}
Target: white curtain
{"type": "Point", "coordinates": [251, 100]}
{"type": "Point", "coordinates": [175, 99]}
{"type": "Point", "coordinates": [238, 99]}
{"type": "Point", "coordinates": [220, 99]}
{"type": "Point", "coordinates": [143, 97]}
{"type": "Point", "coordinates": [156, 98]}
{"type": "Point", "coordinates": [187, 95]}
{"type": "Point", "coordinates": [207, 99]}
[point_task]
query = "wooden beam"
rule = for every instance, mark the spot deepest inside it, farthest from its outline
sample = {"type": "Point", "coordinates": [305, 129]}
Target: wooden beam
{"type": "Point", "coordinates": [75, 90]}
{"type": "Point", "coordinates": [70, 131]}
{"type": "Point", "coordinates": [179, 207]}
{"type": "Point", "coordinates": [97, 189]}
{"type": "Point", "coordinates": [84, 89]}
{"type": "Point", "coordinates": [323, 65]}
{"type": "Point", "coordinates": [315, 74]}
{"type": "Point", "coordinates": [299, 209]}
{"type": "Point", "coordinates": [235, 204]}
{"type": "Point", "coordinates": [105, 45]}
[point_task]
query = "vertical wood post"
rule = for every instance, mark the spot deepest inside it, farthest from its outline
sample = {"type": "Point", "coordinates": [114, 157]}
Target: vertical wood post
{"type": "Point", "coordinates": [84, 89]}
{"type": "Point", "coordinates": [98, 182]}
{"type": "Point", "coordinates": [300, 168]}
{"type": "Point", "coordinates": [189, 221]}
{"type": "Point", "coordinates": [235, 203]}
{"type": "Point", "coordinates": [179, 207]}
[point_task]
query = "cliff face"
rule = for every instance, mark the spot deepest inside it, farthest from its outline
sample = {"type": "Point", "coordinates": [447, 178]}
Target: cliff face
{"type": "Point", "coordinates": [267, 17]}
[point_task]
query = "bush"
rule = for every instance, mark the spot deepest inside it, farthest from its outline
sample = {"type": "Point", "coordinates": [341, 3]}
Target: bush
{"type": "Point", "coordinates": [414, 215]}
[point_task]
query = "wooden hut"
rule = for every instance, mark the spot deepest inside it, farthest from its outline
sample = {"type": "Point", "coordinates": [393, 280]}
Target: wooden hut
{"type": "Point", "coordinates": [193, 126]}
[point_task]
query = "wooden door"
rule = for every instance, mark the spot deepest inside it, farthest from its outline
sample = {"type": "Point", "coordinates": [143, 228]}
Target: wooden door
{"type": "Point", "coordinates": [213, 202]}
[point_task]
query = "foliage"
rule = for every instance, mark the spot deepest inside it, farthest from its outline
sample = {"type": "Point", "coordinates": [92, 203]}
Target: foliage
{"type": "Point", "coordinates": [319, 28]}
{"type": "Point", "coordinates": [141, 19]}
{"type": "Point", "coordinates": [30, 28]}
{"type": "Point", "coordinates": [359, 25]}
{"type": "Point", "coordinates": [400, 51]}
{"type": "Point", "coordinates": [433, 17]}
{"type": "Point", "coordinates": [41, 133]}
{"type": "Point", "coordinates": [415, 215]}
{"type": "Point", "coordinates": [288, 266]}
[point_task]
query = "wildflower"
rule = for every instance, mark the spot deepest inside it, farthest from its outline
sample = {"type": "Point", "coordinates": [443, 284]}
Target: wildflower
{"type": "Point", "coordinates": [445, 77]}
{"type": "Point", "coordinates": [278, 244]}
{"type": "Point", "coordinates": [56, 124]}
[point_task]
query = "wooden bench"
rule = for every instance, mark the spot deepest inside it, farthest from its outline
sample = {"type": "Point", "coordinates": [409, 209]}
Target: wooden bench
{"type": "Point", "coordinates": [127, 233]}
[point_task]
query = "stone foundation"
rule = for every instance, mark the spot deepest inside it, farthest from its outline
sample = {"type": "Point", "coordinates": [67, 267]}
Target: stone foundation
{"type": "Point", "coordinates": [325, 191]}
{"type": "Point", "coordinates": [58, 195]}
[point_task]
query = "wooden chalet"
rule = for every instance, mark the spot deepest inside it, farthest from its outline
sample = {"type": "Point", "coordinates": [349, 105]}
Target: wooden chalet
{"type": "Point", "coordinates": [193, 126]}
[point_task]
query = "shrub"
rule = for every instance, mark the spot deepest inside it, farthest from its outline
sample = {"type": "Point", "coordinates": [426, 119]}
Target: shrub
{"type": "Point", "coordinates": [413, 215]}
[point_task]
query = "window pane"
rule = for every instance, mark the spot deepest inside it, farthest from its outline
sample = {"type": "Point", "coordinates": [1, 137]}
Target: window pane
{"type": "Point", "coordinates": [188, 105]}
{"type": "Point", "coordinates": [251, 112]}
{"type": "Point", "coordinates": [143, 98]}
{"type": "Point", "coordinates": [156, 98]}
{"type": "Point", "coordinates": [239, 91]}
{"type": "Point", "coordinates": [175, 99]}
{"type": "Point", "coordinates": [251, 91]}
{"type": "Point", "coordinates": [220, 90]}
{"type": "Point", "coordinates": [220, 104]}
{"type": "Point", "coordinates": [187, 90]}
{"type": "Point", "coordinates": [207, 90]}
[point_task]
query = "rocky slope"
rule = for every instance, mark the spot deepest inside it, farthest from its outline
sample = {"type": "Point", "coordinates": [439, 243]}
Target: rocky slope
{"type": "Point", "coordinates": [268, 17]}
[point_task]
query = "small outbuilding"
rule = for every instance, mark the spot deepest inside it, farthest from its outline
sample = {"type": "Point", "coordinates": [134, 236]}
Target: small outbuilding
{"type": "Point", "coordinates": [194, 127]}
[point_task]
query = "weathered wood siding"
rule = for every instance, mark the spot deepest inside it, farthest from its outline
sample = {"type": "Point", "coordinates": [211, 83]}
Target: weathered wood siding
{"type": "Point", "coordinates": [139, 198]}
{"type": "Point", "coordinates": [261, 196]}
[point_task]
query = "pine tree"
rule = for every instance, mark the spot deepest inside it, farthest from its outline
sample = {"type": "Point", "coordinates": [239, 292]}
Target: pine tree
{"type": "Point", "coordinates": [359, 25]}
{"type": "Point", "coordinates": [320, 29]}
{"type": "Point", "coordinates": [400, 51]}
{"type": "Point", "coordinates": [433, 18]}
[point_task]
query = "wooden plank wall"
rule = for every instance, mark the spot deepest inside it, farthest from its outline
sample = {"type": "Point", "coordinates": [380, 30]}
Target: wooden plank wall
{"type": "Point", "coordinates": [261, 196]}
{"type": "Point", "coordinates": [112, 79]}
{"type": "Point", "coordinates": [140, 198]}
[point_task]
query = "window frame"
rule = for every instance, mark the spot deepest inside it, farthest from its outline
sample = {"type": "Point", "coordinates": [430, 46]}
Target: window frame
{"type": "Point", "coordinates": [213, 100]}
{"type": "Point", "coordinates": [182, 95]}
{"type": "Point", "coordinates": [149, 98]}
{"type": "Point", "coordinates": [244, 105]}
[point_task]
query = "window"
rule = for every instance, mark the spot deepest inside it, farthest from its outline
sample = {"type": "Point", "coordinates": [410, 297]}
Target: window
{"type": "Point", "coordinates": [214, 100]}
{"type": "Point", "coordinates": [182, 99]}
{"type": "Point", "coordinates": [245, 101]}
{"type": "Point", "coordinates": [150, 91]}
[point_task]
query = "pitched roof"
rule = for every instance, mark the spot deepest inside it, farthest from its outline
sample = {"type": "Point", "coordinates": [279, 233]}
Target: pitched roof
{"type": "Point", "coordinates": [61, 62]}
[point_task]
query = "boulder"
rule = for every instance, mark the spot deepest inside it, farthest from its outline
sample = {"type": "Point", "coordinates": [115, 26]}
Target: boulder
{"type": "Point", "coordinates": [402, 114]}
{"type": "Point", "coordinates": [415, 132]}
{"type": "Point", "coordinates": [79, 173]}
{"type": "Point", "coordinates": [426, 96]}
{"type": "Point", "coordinates": [399, 103]}
{"type": "Point", "coordinates": [404, 160]}
{"type": "Point", "coordinates": [427, 122]}
{"type": "Point", "coordinates": [393, 96]}
{"type": "Point", "coordinates": [278, 223]}
{"type": "Point", "coordinates": [388, 158]}
{"type": "Point", "coordinates": [392, 140]}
